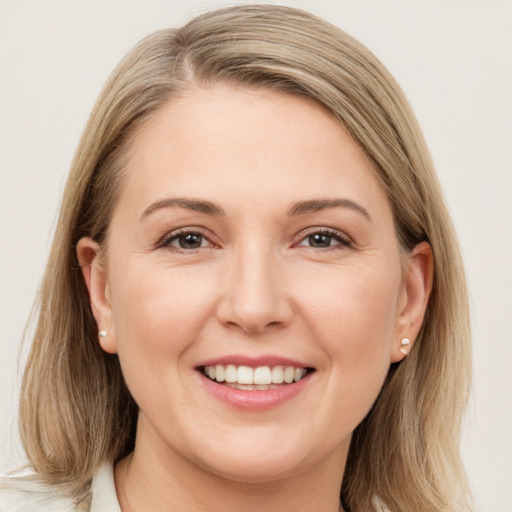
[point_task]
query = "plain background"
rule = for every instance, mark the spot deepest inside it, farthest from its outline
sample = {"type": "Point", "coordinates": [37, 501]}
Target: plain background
{"type": "Point", "coordinates": [452, 58]}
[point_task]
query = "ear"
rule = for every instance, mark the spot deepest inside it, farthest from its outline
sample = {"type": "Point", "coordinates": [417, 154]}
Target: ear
{"type": "Point", "coordinates": [416, 290]}
{"type": "Point", "coordinates": [96, 279]}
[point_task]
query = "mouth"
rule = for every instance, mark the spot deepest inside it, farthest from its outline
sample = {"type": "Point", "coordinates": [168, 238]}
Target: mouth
{"type": "Point", "coordinates": [260, 378]}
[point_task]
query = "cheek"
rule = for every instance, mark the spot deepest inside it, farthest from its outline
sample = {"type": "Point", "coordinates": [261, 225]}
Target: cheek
{"type": "Point", "coordinates": [353, 315]}
{"type": "Point", "coordinates": [159, 312]}
{"type": "Point", "coordinates": [349, 314]}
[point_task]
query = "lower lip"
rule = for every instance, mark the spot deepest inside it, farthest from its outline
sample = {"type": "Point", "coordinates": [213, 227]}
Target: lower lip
{"type": "Point", "coordinates": [254, 400]}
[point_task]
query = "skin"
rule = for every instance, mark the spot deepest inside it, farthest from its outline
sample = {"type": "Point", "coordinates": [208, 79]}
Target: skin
{"type": "Point", "coordinates": [257, 285]}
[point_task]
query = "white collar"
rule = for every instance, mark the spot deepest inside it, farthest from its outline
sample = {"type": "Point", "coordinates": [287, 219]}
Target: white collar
{"type": "Point", "coordinates": [104, 497]}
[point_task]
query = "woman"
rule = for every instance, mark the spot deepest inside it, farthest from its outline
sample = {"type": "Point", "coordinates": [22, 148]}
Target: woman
{"type": "Point", "coordinates": [254, 299]}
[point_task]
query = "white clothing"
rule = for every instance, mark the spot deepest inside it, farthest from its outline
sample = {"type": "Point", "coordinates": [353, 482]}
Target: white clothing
{"type": "Point", "coordinates": [29, 494]}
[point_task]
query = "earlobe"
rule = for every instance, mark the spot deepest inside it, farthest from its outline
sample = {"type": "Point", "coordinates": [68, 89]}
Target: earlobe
{"type": "Point", "coordinates": [418, 280]}
{"type": "Point", "coordinates": [96, 280]}
{"type": "Point", "coordinates": [404, 346]}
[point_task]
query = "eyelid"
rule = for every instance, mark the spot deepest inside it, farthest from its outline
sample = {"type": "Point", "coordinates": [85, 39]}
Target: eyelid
{"type": "Point", "coordinates": [175, 233]}
{"type": "Point", "coordinates": [345, 240]}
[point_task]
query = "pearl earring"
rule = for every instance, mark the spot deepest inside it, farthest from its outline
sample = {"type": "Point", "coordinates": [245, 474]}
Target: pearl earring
{"type": "Point", "coordinates": [102, 334]}
{"type": "Point", "coordinates": [404, 342]}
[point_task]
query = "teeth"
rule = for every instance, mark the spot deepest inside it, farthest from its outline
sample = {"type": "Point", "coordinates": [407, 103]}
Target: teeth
{"type": "Point", "coordinates": [252, 387]}
{"type": "Point", "coordinates": [245, 375]}
{"type": "Point", "coordinates": [262, 377]}
{"type": "Point", "coordinates": [231, 373]}
{"type": "Point", "coordinates": [289, 373]}
{"type": "Point", "coordinates": [298, 374]}
{"type": "Point", "coordinates": [220, 373]}
{"type": "Point", "coordinates": [277, 375]}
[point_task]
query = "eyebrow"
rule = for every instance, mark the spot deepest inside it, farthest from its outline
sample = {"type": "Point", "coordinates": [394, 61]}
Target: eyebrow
{"type": "Point", "coordinates": [315, 205]}
{"type": "Point", "coordinates": [190, 204]}
{"type": "Point", "coordinates": [296, 209]}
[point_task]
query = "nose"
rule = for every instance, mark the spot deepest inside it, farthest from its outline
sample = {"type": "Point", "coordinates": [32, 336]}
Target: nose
{"type": "Point", "coordinates": [255, 297]}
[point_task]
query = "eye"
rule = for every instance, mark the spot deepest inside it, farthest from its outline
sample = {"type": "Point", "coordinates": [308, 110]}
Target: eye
{"type": "Point", "coordinates": [325, 239]}
{"type": "Point", "coordinates": [185, 240]}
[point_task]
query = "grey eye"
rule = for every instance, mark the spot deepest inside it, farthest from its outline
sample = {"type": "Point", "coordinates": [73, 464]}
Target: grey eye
{"type": "Point", "coordinates": [325, 240]}
{"type": "Point", "coordinates": [188, 241]}
{"type": "Point", "coordinates": [320, 240]}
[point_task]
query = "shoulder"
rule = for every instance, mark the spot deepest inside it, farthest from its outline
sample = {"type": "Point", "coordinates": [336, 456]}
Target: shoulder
{"type": "Point", "coordinates": [28, 493]}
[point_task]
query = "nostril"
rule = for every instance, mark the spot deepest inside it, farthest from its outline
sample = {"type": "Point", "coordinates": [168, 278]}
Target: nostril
{"type": "Point", "coordinates": [253, 327]}
{"type": "Point", "coordinates": [254, 302]}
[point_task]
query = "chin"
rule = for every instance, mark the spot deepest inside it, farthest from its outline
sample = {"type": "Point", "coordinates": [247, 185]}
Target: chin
{"type": "Point", "coordinates": [268, 460]}
{"type": "Point", "coordinates": [263, 469]}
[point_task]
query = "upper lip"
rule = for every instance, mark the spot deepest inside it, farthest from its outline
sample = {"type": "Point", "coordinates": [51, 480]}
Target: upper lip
{"type": "Point", "coordinates": [253, 362]}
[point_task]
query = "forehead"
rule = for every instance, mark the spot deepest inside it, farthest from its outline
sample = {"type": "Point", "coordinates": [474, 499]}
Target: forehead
{"type": "Point", "coordinates": [227, 143]}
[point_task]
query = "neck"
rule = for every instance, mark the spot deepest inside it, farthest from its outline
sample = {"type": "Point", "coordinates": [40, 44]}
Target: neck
{"type": "Point", "coordinates": [163, 480]}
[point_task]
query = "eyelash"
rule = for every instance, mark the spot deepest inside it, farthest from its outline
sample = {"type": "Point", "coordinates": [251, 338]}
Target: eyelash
{"type": "Point", "coordinates": [343, 240]}
{"type": "Point", "coordinates": [177, 234]}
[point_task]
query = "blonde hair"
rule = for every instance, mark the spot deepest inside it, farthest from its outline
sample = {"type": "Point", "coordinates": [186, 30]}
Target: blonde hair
{"type": "Point", "coordinates": [76, 411]}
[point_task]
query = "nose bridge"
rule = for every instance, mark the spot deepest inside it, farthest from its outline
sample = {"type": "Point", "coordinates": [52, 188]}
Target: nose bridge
{"type": "Point", "coordinates": [255, 298]}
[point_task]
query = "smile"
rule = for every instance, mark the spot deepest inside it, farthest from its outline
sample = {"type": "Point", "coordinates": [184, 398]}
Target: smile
{"type": "Point", "coordinates": [260, 378]}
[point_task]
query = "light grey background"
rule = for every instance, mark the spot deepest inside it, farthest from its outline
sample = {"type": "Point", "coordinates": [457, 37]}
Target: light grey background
{"type": "Point", "coordinates": [453, 59]}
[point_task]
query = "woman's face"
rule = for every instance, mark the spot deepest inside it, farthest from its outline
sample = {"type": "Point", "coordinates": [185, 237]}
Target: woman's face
{"type": "Point", "coordinates": [251, 242]}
